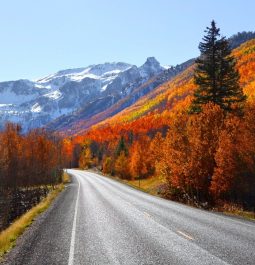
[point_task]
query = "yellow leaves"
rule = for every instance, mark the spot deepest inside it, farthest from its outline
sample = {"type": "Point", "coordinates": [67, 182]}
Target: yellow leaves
{"type": "Point", "coordinates": [121, 165]}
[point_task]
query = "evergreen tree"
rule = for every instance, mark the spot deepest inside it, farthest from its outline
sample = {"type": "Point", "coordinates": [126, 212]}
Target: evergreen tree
{"type": "Point", "coordinates": [121, 147]}
{"type": "Point", "coordinates": [215, 74]}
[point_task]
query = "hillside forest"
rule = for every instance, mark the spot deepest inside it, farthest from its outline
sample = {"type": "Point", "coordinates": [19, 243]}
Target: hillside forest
{"type": "Point", "coordinates": [196, 132]}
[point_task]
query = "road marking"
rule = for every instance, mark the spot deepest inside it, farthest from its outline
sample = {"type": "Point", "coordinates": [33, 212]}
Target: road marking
{"type": "Point", "coordinates": [71, 252]}
{"type": "Point", "coordinates": [148, 215]}
{"type": "Point", "coordinates": [185, 235]}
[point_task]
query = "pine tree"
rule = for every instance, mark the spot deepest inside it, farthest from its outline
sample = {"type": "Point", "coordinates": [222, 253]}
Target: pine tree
{"type": "Point", "coordinates": [121, 147]}
{"type": "Point", "coordinates": [215, 74]}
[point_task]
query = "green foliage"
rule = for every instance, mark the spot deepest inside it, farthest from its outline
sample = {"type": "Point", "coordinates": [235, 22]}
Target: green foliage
{"type": "Point", "coordinates": [215, 74]}
{"type": "Point", "coordinates": [121, 147]}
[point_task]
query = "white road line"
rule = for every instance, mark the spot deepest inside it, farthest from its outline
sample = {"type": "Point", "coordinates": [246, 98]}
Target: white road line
{"type": "Point", "coordinates": [146, 214]}
{"type": "Point", "coordinates": [185, 235]}
{"type": "Point", "coordinates": [71, 252]}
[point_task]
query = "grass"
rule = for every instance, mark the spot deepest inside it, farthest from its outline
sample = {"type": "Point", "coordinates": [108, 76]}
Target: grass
{"type": "Point", "coordinates": [9, 236]}
{"type": "Point", "coordinates": [235, 210]}
{"type": "Point", "coordinates": [244, 214]}
{"type": "Point", "coordinates": [151, 185]}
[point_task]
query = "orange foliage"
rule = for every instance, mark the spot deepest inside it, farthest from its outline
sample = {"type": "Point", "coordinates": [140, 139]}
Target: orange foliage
{"type": "Point", "coordinates": [203, 157]}
{"type": "Point", "coordinates": [29, 160]}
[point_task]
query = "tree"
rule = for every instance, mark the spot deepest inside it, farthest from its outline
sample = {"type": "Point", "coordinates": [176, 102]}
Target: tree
{"type": "Point", "coordinates": [107, 165]}
{"type": "Point", "coordinates": [85, 160]}
{"type": "Point", "coordinates": [121, 166]}
{"type": "Point", "coordinates": [175, 154]}
{"type": "Point", "coordinates": [140, 159]}
{"type": "Point", "coordinates": [215, 74]}
{"type": "Point", "coordinates": [121, 147]}
{"type": "Point", "coordinates": [11, 155]}
{"type": "Point", "coordinates": [203, 134]}
{"type": "Point", "coordinates": [234, 175]}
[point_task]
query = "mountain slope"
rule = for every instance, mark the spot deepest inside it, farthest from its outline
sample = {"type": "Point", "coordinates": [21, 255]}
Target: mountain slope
{"type": "Point", "coordinates": [75, 99]}
{"type": "Point", "coordinates": [78, 122]}
{"type": "Point", "coordinates": [36, 103]}
{"type": "Point", "coordinates": [153, 111]}
{"type": "Point", "coordinates": [100, 109]}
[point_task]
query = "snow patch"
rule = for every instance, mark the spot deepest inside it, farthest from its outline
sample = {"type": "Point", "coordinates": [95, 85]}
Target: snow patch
{"type": "Point", "coordinates": [104, 87]}
{"type": "Point", "coordinates": [36, 108]}
{"type": "Point", "coordinates": [5, 105]}
{"type": "Point", "coordinates": [53, 95]}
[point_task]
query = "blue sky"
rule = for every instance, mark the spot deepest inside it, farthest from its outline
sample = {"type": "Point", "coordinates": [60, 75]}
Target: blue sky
{"type": "Point", "coordinates": [41, 37]}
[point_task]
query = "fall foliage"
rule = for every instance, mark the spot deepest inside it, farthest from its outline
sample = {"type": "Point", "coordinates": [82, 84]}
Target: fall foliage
{"type": "Point", "coordinates": [206, 157]}
{"type": "Point", "coordinates": [29, 160]}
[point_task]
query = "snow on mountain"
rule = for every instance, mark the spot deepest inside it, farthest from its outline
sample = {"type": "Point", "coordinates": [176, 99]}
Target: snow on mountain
{"type": "Point", "coordinates": [37, 103]}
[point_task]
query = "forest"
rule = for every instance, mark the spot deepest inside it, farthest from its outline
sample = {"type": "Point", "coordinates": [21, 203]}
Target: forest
{"type": "Point", "coordinates": [30, 166]}
{"type": "Point", "coordinates": [196, 132]}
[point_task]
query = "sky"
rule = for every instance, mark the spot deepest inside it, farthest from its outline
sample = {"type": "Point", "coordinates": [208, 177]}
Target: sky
{"type": "Point", "coordinates": [40, 37]}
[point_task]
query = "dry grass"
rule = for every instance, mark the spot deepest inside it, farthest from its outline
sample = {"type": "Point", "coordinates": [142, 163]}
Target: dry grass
{"type": "Point", "coordinates": [151, 185]}
{"type": "Point", "coordinates": [244, 214]}
{"type": "Point", "coordinates": [237, 210]}
{"type": "Point", "coordinates": [8, 237]}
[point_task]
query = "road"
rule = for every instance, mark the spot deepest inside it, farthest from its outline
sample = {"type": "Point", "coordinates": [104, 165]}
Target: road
{"type": "Point", "coordinates": [97, 220]}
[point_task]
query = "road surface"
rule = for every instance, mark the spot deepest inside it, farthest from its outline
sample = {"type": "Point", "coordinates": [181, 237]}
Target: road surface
{"type": "Point", "coordinates": [97, 220]}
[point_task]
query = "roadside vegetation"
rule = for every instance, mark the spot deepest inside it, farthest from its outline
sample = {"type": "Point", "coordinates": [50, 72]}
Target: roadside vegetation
{"type": "Point", "coordinates": [31, 176]}
{"type": "Point", "coordinates": [9, 236]}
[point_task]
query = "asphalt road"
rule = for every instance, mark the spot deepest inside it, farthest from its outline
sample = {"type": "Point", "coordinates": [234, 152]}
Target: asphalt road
{"type": "Point", "coordinates": [97, 220]}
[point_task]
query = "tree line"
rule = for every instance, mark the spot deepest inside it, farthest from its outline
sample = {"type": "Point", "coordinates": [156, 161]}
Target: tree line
{"type": "Point", "coordinates": [34, 159]}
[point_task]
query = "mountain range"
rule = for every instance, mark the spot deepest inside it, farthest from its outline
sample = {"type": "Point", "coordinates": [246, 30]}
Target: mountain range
{"type": "Point", "coordinates": [73, 100]}
{"type": "Point", "coordinates": [77, 94]}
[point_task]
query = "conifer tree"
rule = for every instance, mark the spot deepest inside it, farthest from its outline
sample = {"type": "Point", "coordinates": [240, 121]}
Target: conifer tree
{"type": "Point", "coordinates": [121, 147]}
{"type": "Point", "coordinates": [215, 74]}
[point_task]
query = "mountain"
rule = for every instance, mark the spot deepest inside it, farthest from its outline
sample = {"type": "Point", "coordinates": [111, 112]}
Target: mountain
{"type": "Point", "coordinates": [103, 108]}
{"type": "Point", "coordinates": [98, 111]}
{"type": "Point", "coordinates": [73, 100]}
{"type": "Point", "coordinates": [241, 37]}
{"type": "Point", "coordinates": [37, 103]}
{"type": "Point", "coordinates": [152, 111]}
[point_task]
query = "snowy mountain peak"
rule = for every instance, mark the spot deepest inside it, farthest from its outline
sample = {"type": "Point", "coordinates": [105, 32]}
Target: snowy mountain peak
{"type": "Point", "coordinates": [92, 71]}
{"type": "Point", "coordinates": [36, 103]}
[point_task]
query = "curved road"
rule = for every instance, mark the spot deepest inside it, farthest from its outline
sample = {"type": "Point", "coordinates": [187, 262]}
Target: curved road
{"type": "Point", "coordinates": [97, 220]}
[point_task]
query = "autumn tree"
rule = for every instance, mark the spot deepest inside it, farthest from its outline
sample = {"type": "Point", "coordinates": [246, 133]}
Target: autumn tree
{"type": "Point", "coordinates": [234, 175]}
{"type": "Point", "coordinates": [215, 74]}
{"type": "Point", "coordinates": [203, 135]}
{"type": "Point", "coordinates": [175, 154]}
{"type": "Point", "coordinates": [90, 154]}
{"type": "Point", "coordinates": [107, 165]}
{"type": "Point", "coordinates": [156, 150]}
{"type": "Point", "coordinates": [140, 158]}
{"type": "Point", "coordinates": [85, 160]}
{"type": "Point", "coordinates": [29, 160]}
{"type": "Point", "coordinates": [121, 166]}
{"type": "Point", "coordinates": [11, 156]}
